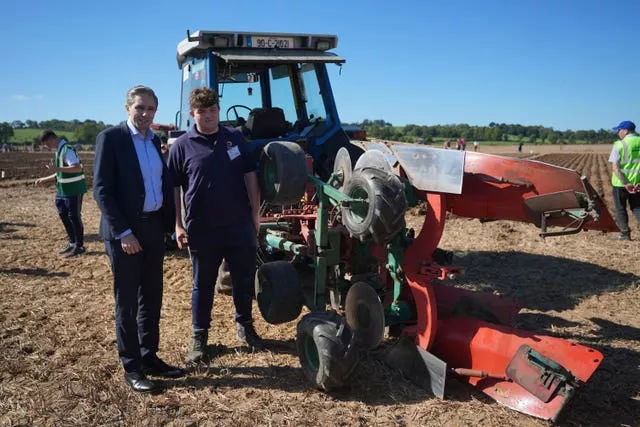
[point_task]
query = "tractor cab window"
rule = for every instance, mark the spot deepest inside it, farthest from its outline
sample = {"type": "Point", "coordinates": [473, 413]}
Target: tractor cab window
{"type": "Point", "coordinates": [240, 93]}
{"type": "Point", "coordinates": [314, 103]}
{"type": "Point", "coordinates": [282, 95]}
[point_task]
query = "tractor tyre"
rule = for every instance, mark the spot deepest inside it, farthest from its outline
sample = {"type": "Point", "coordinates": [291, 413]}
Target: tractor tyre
{"type": "Point", "coordinates": [326, 348]}
{"type": "Point", "coordinates": [278, 292]}
{"type": "Point", "coordinates": [283, 173]}
{"type": "Point", "coordinates": [382, 217]}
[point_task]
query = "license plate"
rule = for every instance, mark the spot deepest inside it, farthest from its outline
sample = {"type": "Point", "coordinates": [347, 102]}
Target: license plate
{"type": "Point", "coordinates": [270, 42]}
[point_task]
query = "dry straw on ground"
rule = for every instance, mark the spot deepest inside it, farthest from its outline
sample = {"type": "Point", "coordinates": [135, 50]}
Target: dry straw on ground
{"type": "Point", "coordinates": [58, 362]}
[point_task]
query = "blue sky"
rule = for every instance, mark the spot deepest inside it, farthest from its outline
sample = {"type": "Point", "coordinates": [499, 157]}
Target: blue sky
{"type": "Point", "coordinates": [567, 64]}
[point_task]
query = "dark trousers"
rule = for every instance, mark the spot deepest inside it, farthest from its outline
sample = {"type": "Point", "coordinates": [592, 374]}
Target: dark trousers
{"type": "Point", "coordinates": [620, 199]}
{"type": "Point", "coordinates": [69, 209]}
{"type": "Point", "coordinates": [237, 245]}
{"type": "Point", "coordinates": [137, 289]}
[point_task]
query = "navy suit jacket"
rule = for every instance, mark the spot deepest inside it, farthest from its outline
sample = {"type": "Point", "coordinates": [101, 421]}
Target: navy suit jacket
{"type": "Point", "coordinates": [118, 187]}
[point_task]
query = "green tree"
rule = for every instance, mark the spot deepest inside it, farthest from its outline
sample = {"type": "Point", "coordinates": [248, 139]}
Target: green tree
{"type": "Point", "coordinates": [6, 132]}
{"type": "Point", "coordinates": [87, 132]}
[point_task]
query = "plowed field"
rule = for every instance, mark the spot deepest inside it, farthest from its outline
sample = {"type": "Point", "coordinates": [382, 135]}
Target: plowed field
{"type": "Point", "coordinates": [59, 366]}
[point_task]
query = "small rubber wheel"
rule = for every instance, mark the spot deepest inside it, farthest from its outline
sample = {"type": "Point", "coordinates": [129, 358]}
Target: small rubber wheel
{"type": "Point", "coordinates": [326, 348]}
{"type": "Point", "coordinates": [278, 292]}
{"type": "Point", "coordinates": [283, 173]}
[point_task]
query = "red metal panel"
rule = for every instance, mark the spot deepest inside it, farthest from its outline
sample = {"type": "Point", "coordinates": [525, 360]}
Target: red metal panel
{"type": "Point", "coordinates": [473, 344]}
{"type": "Point", "coordinates": [495, 187]}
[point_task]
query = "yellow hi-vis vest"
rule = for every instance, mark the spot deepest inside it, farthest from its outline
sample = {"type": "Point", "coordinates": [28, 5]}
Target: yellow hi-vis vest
{"type": "Point", "coordinates": [629, 149]}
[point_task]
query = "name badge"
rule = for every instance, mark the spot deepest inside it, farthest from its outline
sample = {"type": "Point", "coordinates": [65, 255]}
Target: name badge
{"type": "Point", "coordinates": [233, 152]}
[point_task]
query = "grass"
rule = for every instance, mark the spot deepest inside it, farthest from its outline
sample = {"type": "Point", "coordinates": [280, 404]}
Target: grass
{"type": "Point", "coordinates": [27, 136]}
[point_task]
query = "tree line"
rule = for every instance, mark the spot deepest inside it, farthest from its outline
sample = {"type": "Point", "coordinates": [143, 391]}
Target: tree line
{"type": "Point", "coordinates": [84, 132]}
{"type": "Point", "coordinates": [493, 132]}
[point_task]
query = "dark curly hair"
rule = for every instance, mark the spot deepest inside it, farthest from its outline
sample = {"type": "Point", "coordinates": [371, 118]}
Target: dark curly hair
{"type": "Point", "coordinates": [203, 97]}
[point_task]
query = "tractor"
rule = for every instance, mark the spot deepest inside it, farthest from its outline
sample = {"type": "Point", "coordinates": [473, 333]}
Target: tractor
{"type": "Point", "coordinates": [333, 236]}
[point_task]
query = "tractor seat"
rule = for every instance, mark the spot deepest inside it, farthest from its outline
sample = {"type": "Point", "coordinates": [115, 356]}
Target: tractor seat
{"type": "Point", "coordinates": [266, 123]}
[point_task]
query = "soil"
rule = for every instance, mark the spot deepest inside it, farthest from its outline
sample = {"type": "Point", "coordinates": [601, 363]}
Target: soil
{"type": "Point", "coordinates": [58, 358]}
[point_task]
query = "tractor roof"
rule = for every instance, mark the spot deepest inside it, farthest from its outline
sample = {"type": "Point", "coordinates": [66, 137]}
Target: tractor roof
{"type": "Point", "coordinates": [247, 47]}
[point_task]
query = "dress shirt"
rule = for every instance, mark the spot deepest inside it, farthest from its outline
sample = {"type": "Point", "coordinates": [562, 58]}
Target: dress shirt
{"type": "Point", "coordinates": [151, 168]}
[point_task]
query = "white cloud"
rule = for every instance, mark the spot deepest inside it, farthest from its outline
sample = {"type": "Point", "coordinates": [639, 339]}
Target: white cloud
{"type": "Point", "coordinates": [23, 98]}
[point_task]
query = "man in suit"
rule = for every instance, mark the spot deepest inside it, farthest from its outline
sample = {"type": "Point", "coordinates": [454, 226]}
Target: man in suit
{"type": "Point", "coordinates": [134, 193]}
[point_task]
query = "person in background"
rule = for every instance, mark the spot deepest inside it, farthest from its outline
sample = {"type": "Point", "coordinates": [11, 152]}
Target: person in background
{"type": "Point", "coordinates": [133, 190]}
{"type": "Point", "coordinates": [447, 144]}
{"type": "Point", "coordinates": [625, 179]}
{"type": "Point", "coordinates": [212, 166]}
{"type": "Point", "coordinates": [164, 147]}
{"type": "Point", "coordinates": [71, 186]}
{"type": "Point", "coordinates": [475, 145]}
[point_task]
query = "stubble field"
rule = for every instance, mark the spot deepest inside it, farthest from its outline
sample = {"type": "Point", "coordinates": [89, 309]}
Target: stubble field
{"type": "Point", "coordinates": [59, 366]}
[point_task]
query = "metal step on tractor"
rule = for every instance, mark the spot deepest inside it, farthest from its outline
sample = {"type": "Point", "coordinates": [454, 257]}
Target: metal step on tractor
{"type": "Point", "coordinates": [333, 236]}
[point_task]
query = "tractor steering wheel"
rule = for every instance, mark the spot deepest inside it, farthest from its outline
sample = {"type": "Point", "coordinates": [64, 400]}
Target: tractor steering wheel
{"type": "Point", "coordinates": [235, 111]}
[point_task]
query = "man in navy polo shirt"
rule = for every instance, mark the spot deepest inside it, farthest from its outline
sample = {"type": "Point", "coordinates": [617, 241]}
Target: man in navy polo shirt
{"type": "Point", "coordinates": [214, 169]}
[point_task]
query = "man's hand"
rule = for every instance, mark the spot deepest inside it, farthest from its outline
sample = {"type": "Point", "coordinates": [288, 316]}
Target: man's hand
{"type": "Point", "coordinates": [630, 187]}
{"type": "Point", "coordinates": [637, 188]}
{"type": "Point", "coordinates": [37, 182]}
{"type": "Point", "coordinates": [130, 244]}
{"type": "Point", "coordinates": [182, 239]}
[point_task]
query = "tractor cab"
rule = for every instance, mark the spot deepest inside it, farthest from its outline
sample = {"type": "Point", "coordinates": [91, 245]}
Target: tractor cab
{"type": "Point", "coordinates": [271, 87]}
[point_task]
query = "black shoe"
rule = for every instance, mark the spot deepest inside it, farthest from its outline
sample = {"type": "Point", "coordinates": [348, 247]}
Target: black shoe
{"type": "Point", "coordinates": [158, 368]}
{"type": "Point", "coordinates": [620, 236]}
{"type": "Point", "coordinates": [79, 250]}
{"type": "Point", "coordinates": [68, 249]}
{"type": "Point", "coordinates": [138, 382]}
{"type": "Point", "coordinates": [248, 335]}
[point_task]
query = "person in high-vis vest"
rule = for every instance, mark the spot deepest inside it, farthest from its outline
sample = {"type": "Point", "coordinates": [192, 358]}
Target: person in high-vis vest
{"type": "Point", "coordinates": [625, 159]}
{"type": "Point", "coordinates": [71, 186]}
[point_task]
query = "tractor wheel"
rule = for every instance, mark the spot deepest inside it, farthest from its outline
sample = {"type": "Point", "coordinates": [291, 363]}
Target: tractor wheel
{"type": "Point", "coordinates": [382, 216]}
{"type": "Point", "coordinates": [278, 292]}
{"type": "Point", "coordinates": [283, 173]}
{"type": "Point", "coordinates": [326, 348]}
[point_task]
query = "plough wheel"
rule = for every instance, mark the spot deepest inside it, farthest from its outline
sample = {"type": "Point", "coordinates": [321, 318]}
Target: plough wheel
{"type": "Point", "coordinates": [283, 173]}
{"type": "Point", "coordinates": [381, 214]}
{"type": "Point", "coordinates": [278, 292]}
{"type": "Point", "coordinates": [364, 315]}
{"type": "Point", "coordinates": [326, 348]}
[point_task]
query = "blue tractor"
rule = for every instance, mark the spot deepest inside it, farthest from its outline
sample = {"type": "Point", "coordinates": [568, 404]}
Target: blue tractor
{"type": "Point", "coordinates": [273, 86]}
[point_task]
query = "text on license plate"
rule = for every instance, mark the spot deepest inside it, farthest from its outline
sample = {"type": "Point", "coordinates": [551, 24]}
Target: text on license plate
{"type": "Point", "coordinates": [270, 42]}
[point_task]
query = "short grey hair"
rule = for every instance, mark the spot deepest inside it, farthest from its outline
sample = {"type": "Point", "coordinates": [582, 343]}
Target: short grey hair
{"type": "Point", "coordinates": [140, 90]}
